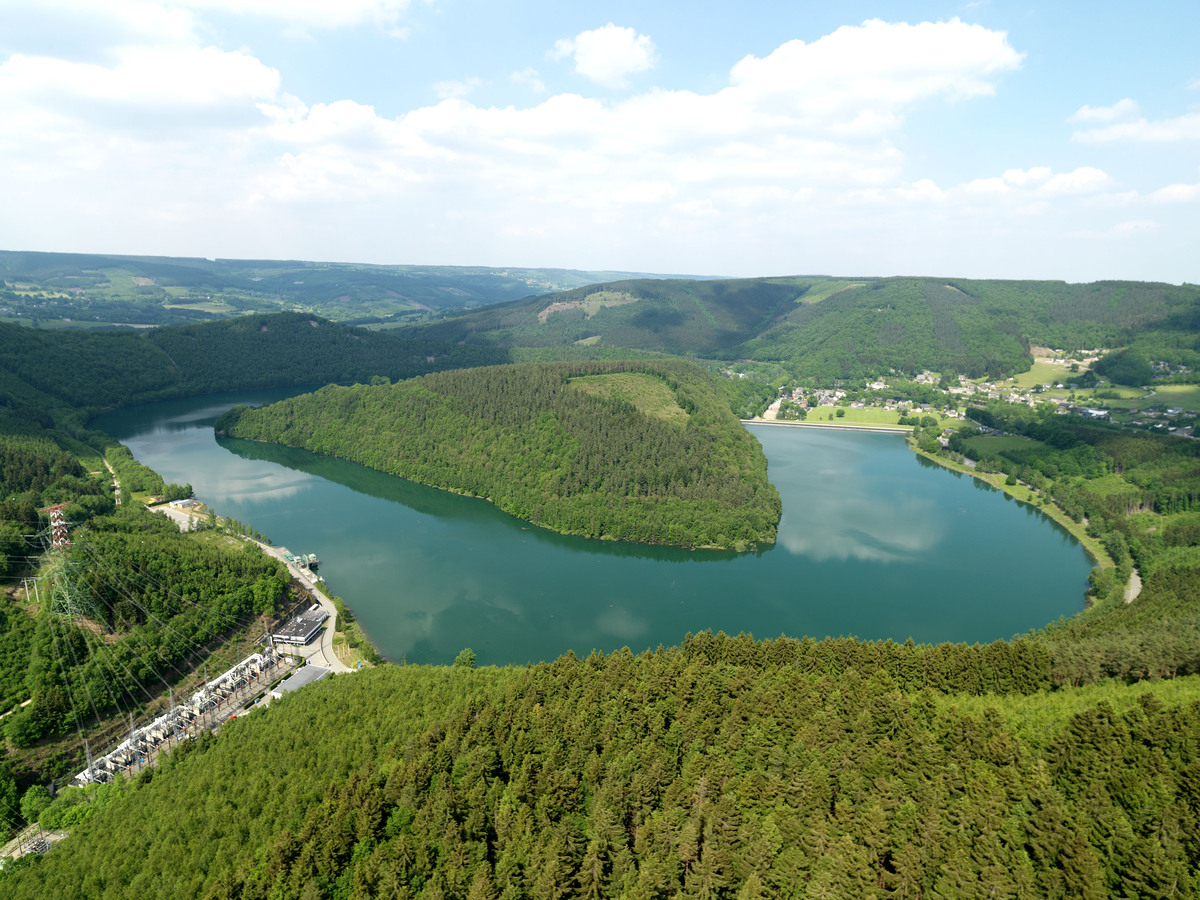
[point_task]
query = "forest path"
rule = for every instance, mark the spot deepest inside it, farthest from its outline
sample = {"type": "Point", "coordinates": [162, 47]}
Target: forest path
{"type": "Point", "coordinates": [1135, 586]}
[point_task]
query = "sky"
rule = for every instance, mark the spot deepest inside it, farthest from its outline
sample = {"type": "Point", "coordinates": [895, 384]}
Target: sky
{"type": "Point", "coordinates": [986, 139]}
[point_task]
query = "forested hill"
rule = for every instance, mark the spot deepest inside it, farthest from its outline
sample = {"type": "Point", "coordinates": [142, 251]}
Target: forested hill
{"type": "Point", "coordinates": [97, 369]}
{"type": "Point", "coordinates": [722, 769]}
{"type": "Point", "coordinates": [836, 328]}
{"type": "Point", "coordinates": [646, 452]}
{"type": "Point", "coordinates": [91, 289]}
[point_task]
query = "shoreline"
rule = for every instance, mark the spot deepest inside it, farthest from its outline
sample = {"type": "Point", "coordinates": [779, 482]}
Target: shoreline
{"type": "Point", "coordinates": [321, 649]}
{"type": "Point", "coordinates": [835, 426]}
{"type": "Point", "coordinates": [1076, 529]}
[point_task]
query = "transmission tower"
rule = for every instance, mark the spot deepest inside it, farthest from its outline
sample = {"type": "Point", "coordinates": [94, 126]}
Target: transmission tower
{"type": "Point", "coordinates": [59, 539]}
{"type": "Point", "coordinates": [70, 596]}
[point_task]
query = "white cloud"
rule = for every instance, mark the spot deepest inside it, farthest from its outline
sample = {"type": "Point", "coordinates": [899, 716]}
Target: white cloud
{"type": "Point", "coordinates": [1119, 111]}
{"type": "Point", "coordinates": [608, 55]}
{"type": "Point", "coordinates": [924, 190]}
{"type": "Point", "coordinates": [146, 89]}
{"type": "Point", "coordinates": [1084, 180]}
{"type": "Point", "coordinates": [1180, 128]}
{"type": "Point", "coordinates": [70, 29]}
{"type": "Point", "coordinates": [457, 87]}
{"type": "Point", "coordinates": [529, 77]}
{"type": "Point", "coordinates": [879, 68]}
{"type": "Point", "coordinates": [987, 187]}
{"type": "Point", "coordinates": [1177, 193]}
{"type": "Point", "coordinates": [1027, 177]}
{"type": "Point", "coordinates": [793, 164]}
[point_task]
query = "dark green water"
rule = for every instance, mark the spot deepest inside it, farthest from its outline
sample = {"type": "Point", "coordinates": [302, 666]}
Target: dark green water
{"type": "Point", "coordinates": [874, 542]}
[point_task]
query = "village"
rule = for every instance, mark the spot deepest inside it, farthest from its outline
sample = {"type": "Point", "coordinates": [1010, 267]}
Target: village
{"type": "Point", "coordinates": [1064, 381]}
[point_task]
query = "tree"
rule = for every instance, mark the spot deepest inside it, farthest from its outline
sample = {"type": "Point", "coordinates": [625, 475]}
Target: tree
{"type": "Point", "coordinates": [8, 797]}
{"type": "Point", "coordinates": [465, 659]}
{"type": "Point", "coordinates": [35, 800]}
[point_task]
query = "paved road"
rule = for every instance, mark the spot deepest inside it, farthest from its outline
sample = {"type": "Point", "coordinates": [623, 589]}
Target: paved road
{"type": "Point", "coordinates": [319, 650]}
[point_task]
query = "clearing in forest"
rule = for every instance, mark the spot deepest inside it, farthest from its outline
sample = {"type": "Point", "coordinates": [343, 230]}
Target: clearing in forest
{"type": "Point", "coordinates": [591, 304]}
{"type": "Point", "coordinates": [649, 394]}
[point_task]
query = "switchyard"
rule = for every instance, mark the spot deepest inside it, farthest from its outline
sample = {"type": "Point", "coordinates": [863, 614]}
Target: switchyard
{"type": "Point", "coordinates": [213, 704]}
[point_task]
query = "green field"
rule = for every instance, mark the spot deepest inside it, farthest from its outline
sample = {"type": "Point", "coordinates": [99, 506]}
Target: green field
{"type": "Point", "coordinates": [1185, 396]}
{"type": "Point", "coordinates": [1043, 373]}
{"type": "Point", "coordinates": [994, 446]}
{"type": "Point", "coordinates": [825, 291]}
{"type": "Point", "coordinates": [1126, 398]}
{"type": "Point", "coordinates": [869, 416]}
{"type": "Point", "coordinates": [217, 307]}
{"type": "Point", "coordinates": [874, 415]}
{"type": "Point", "coordinates": [1110, 485]}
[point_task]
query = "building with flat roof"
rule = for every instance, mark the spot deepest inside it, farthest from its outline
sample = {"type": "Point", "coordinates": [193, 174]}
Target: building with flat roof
{"type": "Point", "coordinates": [302, 627]}
{"type": "Point", "coordinates": [299, 679]}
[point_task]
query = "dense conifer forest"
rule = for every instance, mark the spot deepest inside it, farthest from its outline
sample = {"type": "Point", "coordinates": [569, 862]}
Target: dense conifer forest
{"type": "Point", "coordinates": [722, 768]}
{"type": "Point", "coordinates": [659, 459]}
{"type": "Point", "coordinates": [1061, 763]}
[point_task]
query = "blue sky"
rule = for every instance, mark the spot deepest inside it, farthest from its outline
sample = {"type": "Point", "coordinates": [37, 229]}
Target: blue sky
{"type": "Point", "coordinates": [982, 139]}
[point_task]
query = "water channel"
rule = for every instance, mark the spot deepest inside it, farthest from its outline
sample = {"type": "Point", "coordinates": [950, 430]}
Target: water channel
{"type": "Point", "coordinates": [874, 542]}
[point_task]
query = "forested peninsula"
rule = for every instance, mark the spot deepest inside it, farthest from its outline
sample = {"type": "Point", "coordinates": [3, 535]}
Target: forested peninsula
{"type": "Point", "coordinates": [644, 452]}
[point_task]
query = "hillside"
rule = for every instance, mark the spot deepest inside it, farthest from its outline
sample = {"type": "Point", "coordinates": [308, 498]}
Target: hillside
{"type": "Point", "coordinates": [89, 290]}
{"type": "Point", "coordinates": [47, 369]}
{"type": "Point", "coordinates": [646, 452]}
{"type": "Point", "coordinates": [723, 768]}
{"type": "Point", "coordinates": [827, 328]}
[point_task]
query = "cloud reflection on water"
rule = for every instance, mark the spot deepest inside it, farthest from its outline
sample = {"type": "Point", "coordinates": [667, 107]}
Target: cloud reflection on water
{"type": "Point", "coordinates": [835, 511]}
{"type": "Point", "coordinates": [622, 624]}
{"type": "Point", "coordinates": [257, 485]}
{"type": "Point", "coordinates": [841, 527]}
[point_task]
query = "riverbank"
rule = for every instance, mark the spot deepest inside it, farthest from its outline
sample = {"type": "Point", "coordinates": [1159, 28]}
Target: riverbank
{"type": "Point", "coordinates": [320, 651]}
{"type": "Point", "coordinates": [1025, 494]}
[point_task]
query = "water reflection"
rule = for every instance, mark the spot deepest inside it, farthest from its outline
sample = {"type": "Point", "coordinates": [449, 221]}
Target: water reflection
{"type": "Point", "coordinates": [841, 509]}
{"type": "Point", "coordinates": [869, 545]}
{"type": "Point", "coordinates": [841, 527]}
{"type": "Point", "coordinates": [445, 505]}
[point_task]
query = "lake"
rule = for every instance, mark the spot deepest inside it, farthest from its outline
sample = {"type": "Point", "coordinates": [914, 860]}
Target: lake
{"type": "Point", "coordinates": [874, 542]}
